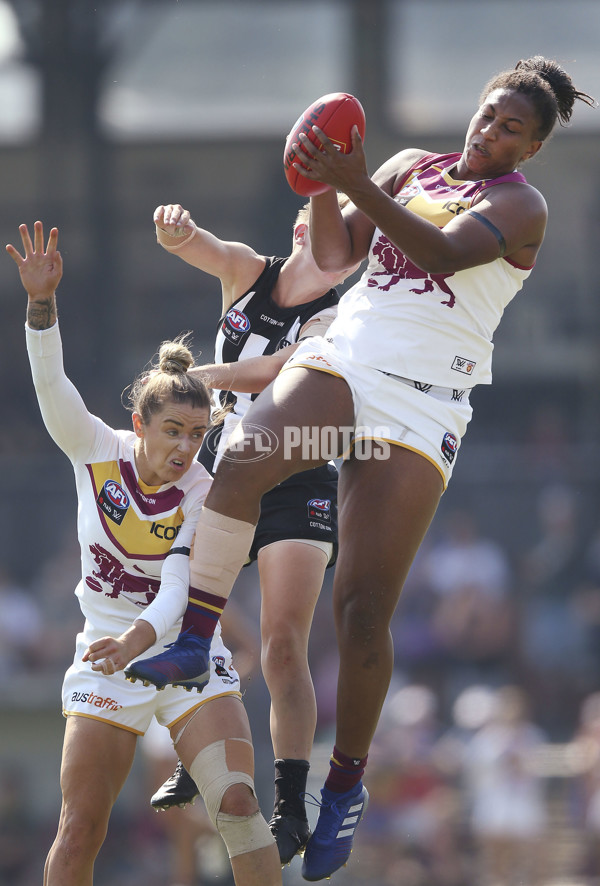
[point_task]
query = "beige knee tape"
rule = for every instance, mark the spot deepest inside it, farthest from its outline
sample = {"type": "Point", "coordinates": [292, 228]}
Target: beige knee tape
{"type": "Point", "coordinates": [220, 550]}
{"type": "Point", "coordinates": [219, 766]}
{"type": "Point", "coordinates": [243, 834]}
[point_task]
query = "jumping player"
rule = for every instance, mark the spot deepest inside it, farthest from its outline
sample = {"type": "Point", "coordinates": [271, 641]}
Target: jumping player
{"type": "Point", "coordinates": [269, 305]}
{"type": "Point", "coordinates": [451, 238]}
{"type": "Point", "coordinates": [140, 493]}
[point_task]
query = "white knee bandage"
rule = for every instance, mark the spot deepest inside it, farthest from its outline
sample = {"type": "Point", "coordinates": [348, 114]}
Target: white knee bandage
{"type": "Point", "coordinates": [219, 552]}
{"type": "Point", "coordinates": [243, 834]}
{"type": "Point", "coordinates": [218, 767]}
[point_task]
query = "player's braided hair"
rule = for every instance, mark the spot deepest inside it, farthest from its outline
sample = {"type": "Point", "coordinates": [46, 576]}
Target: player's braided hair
{"type": "Point", "coordinates": [168, 380]}
{"type": "Point", "coordinates": [547, 85]}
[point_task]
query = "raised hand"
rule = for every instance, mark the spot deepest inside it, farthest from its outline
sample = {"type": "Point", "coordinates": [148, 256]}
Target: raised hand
{"type": "Point", "coordinates": [326, 164]}
{"type": "Point", "coordinates": [173, 219]}
{"type": "Point", "coordinates": [41, 272]}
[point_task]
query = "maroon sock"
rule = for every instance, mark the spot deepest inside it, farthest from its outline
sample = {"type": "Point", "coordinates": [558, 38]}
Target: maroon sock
{"type": "Point", "coordinates": [344, 772]}
{"type": "Point", "coordinates": [202, 613]}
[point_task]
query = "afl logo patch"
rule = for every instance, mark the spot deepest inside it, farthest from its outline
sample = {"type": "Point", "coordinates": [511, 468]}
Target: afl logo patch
{"type": "Point", "coordinates": [320, 509]}
{"type": "Point", "coordinates": [114, 501]}
{"type": "Point", "coordinates": [449, 447]}
{"type": "Point", "coordinates": [221, 671]}
{"type": "Point", "coordinates": [408, 192]}
{"type": "Point", "coordinates": [235, 326]}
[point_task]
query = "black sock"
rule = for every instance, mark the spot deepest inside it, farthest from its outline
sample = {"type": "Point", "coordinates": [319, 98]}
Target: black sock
{"type": "Point", "coordinates": [290, 785]}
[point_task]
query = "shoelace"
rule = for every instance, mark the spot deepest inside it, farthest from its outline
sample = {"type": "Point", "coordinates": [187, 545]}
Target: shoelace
{"type": "Point", "coordinates": [335, 823]}
{"type": "Point", "coordinates": [314, 801]}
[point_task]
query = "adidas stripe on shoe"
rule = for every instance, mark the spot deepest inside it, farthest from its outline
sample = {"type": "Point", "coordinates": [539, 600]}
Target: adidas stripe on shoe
{"type": "Point", "coordinates": [330, 846]}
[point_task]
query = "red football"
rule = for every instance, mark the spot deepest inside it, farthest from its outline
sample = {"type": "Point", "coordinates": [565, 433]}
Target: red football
{"type": "Point", "coordinates": [336, 114]}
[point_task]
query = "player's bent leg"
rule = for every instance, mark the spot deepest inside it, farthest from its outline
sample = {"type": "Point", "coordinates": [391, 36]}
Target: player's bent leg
{"type": "Point", "coordinates": [281, 435]}
{"type": "Point", "coordinates": [300, 399]}
{"type": "Point", "coordinates": [291, 575]}
{"type": "Point", "coordinates": [96, 760]}
{"type": "Point", "coordinates": [218, 553]}
{"type": "Point", "coordinates": [223, 770]}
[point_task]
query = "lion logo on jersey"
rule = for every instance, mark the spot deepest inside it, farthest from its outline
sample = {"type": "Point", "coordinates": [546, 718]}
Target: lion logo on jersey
{"type": "Point", "coordinates": [111, 572]}
{"type": "Point", "coordinates": [399, 267]}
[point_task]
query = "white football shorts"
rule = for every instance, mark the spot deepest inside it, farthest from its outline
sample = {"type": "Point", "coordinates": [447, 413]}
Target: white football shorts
{"type": "Point", "coordinates": [424, 418]}
{"type": "Point", "coordinates": [88, 693]}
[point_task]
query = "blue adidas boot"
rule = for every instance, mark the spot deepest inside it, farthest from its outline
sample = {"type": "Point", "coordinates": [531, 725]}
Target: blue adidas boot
{"type": "Point", "coordinates": [330, 846]}
{"type": "Point", "coordinates": [186, 662]}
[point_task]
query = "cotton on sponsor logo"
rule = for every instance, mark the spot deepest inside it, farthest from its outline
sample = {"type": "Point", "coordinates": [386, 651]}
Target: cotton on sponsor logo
{"type": "Point", "coordinates": [97, 701]}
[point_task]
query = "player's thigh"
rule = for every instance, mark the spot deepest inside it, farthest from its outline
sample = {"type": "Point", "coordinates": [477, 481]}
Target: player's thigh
{"type": "Point", "coordinates": [271, 435]}
{"type": "Point", "coordinates": [307, 397]}
{"type": "Point", "coordinates": [384, 511]}
{"type": "Point", "coordinates": [96, 761]}
{"type": "Point", "coordinates": [291, 576]}
{"type": "Point", "coordinates": [216, 749]}
{"type": "Point", "coordinates": [218, 720]}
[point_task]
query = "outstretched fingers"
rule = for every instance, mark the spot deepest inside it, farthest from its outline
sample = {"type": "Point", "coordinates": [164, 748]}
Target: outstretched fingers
{"type": "Point", "coordinates": [52, 240]}
{"type": "Point", "coordinates": [38, 237]}
{"type": "Point", "coordinates": [27, 246]}
{"type": "Point", "coordinates": [37, 246]}
{"type": "Point", "coordinates": [14, 254]}
{"type": "Point", "coordinates": [26, 240]}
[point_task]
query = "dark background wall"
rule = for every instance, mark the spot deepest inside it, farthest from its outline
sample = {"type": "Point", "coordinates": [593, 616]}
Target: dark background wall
{"type": "Point", "coordinates": [537, 426]}
{"type": "Point", "coordinates": [121, 294]}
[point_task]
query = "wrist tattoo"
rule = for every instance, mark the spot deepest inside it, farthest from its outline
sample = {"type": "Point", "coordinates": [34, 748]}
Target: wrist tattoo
{"type": "Point", "coordinates": [41, 314]}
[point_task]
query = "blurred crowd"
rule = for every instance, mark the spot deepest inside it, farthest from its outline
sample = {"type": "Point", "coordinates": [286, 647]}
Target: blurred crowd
{"type": "Point", "coordinates": [485, 770]}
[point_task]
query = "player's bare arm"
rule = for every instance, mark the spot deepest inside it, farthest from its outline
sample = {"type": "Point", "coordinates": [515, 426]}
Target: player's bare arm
{"type": "Point", "coordinates": [462, 243]}
{"type": "Point", "coordinates": [388, 177]}
{"type": "Point", "coordinates": [249, 376]}
{"type": "Point", "coordinates": [235, 264]}
{"type": "Point", "coordinates": [348, 173]}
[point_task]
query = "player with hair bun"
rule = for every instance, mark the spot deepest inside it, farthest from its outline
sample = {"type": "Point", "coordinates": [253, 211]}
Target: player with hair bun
{"type": "Point", "coordinates": [140, 493]}
{"type": "Point", "coordinates": [269, 305]}
{"type": "Point", "coordinates": [450, 240]}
